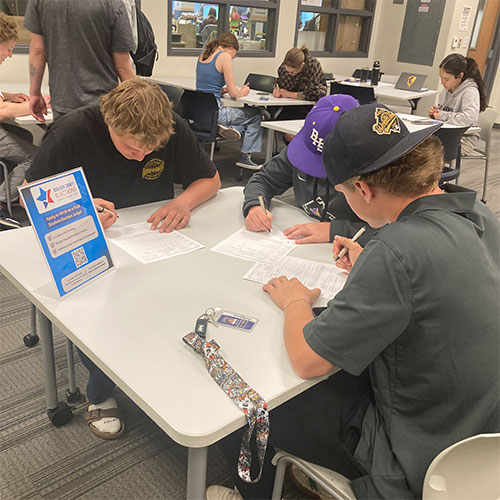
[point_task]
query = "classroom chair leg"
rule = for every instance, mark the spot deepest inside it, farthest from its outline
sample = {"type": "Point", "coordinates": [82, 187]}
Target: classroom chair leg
{"type": "Point", "coordinates": [73, 394]}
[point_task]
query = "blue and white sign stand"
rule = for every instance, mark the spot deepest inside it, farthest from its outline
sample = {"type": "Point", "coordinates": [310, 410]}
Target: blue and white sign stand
{"type": "Point", "coordinates": [68, 229]}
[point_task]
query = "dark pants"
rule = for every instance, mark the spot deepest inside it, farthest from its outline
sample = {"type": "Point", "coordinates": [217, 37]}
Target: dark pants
{"type": "Point", "coordinates": [321, 425]}
{"type": "Point", "coordinates": [99, 386]}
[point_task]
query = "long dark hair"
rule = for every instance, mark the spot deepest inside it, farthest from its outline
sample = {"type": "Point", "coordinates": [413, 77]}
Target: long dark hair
{"type": "Point", "coordinates": [454, 64]}
{"type": "Point", "coordinates": [225, 40]}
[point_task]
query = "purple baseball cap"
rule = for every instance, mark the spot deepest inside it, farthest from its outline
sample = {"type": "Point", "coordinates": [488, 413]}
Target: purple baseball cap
{"type": "Point", "coordinates": [306, 149]}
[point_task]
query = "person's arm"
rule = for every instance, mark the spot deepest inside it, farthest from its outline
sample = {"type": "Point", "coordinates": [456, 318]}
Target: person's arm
{"type": "Point", "coordinates": [197, 174]}
{"type": "Point", "coordinates": [13, 109]}
{"type": "Point", "coordinates": [296, 300]}
{"type": "Point", "coordinates": [123, 66]}
{"type": "Point", "coordinates": [176, 213]}
{"type": "Point", "coordinates": [467, 114]}
{"type": "Point", "coordinates": [37, 61]}
{"type": "Point", "coordinates": [275, 177]}
{"type": "Point", "coordinates": [225, 63]}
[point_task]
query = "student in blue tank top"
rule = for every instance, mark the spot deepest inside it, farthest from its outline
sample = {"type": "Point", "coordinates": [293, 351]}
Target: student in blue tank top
{"type": "Point", "coordinates": [214, 73]}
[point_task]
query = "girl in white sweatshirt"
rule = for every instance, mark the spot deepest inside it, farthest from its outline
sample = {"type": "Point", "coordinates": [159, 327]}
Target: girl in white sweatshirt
{"type": "Point", "coordinates": [463, 96]}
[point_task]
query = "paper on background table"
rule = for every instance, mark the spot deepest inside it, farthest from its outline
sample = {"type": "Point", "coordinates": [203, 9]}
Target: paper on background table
{"type": "Point", "coordinates": [328, 278]}
{"type": "Point", "coordinates": [149, 246]}
{"type": "Point", "coordinates": [267, 247]}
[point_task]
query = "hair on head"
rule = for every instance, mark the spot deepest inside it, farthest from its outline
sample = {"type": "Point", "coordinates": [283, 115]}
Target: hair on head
{"type": "Point", "coordinates": [8, 29]}
{"type": "Point", "coordinates": [140, 110]}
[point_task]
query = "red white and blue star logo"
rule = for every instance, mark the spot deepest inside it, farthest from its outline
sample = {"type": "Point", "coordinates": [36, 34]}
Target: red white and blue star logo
{"type": "Point", "coordinates": [45, 197]}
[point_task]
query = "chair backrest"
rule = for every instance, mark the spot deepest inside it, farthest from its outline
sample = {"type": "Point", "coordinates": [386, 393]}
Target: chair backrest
{"type": "Point", "coordinates": [450, 138]}
{"type": "Point", "coordinates": [364, 95]}
{"type": "Point", "coordinates": [469, 469]}
{"type": "Point", "coordinates": [208, 33]}
{"type": "Point", "coordinates": [486, 121]}
{"type": "Point", "coordinates": [173, 93]}
{"type": "Point", "coordinates": [264, 83]}
{"type": "Point", "coordinates": [201, 111]}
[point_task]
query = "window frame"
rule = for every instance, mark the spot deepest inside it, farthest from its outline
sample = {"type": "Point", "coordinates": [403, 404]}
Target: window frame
{"type": "Point", "coordinates": [334, 14]}
{"type": "Point", "coordinates": [272, 6]}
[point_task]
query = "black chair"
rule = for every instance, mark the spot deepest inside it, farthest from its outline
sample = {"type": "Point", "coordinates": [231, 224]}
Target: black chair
{"type": "Point", "coordinates": [364, 95]}
{"type": "Point", "coordinates": [264, 83]}
{"type": "Point", "coordinates": [450, 138]}
{"type": "Point", "coordinates": [201, 111]}
{"type": "Point", "coordinates": [173, 93]}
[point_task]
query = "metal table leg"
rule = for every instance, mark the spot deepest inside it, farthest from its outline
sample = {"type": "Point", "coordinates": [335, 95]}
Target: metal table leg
{"type": "Point", "coordinates": [196, 473]}
{"type": "Point", "coordinates": [58, 413]}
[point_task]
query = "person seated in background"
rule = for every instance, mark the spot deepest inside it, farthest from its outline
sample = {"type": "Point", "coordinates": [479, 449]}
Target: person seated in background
{"type": "Point", "coordinates": [463, 97]}
{"type": "Point", "coordinates": [15, 151]}
{"type": "Point", "coordinates": [133, 149]}
{"type": "Point", "coordinates": [300, 76]}
{"type": "Point", "coordinates": [210, 19]}
{"type": "Point", "coordinates": [300, 165]}
{"type": "Point", "coordinates": [214, 74]}
{"type": "Point", "coordinates": [414, 331]}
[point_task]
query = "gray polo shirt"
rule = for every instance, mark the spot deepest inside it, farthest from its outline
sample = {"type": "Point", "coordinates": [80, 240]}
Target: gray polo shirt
{"type": "Point", "coordinates": [420, 308]}
{"type": "Point", "coordinates": [79, 39]}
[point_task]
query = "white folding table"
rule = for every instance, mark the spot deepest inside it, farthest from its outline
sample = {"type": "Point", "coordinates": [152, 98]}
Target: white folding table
{"type": "Point", "coordinates": [131, 321]}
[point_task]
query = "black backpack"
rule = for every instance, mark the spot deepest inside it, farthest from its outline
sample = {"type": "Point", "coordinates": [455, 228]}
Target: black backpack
{"type": "Point", "coordinates": [147, 52]}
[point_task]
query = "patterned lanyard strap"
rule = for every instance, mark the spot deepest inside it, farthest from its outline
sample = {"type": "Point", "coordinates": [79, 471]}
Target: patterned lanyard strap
{"type": "Point", "coordinates": [249, 401]}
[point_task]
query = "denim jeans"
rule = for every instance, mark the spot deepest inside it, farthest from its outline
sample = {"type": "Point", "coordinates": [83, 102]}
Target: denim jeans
{"type": "Point", "coordinates": [99, 386]}
{"type": "Point", "coordinates": [17, 153]}
{"type": "Point", "coordinates": [245, 120]}
{"type": "Point", "coordinates": [321, 425]}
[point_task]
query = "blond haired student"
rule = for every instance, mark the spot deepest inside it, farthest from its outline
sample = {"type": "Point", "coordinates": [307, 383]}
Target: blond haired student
{"type": "Point", "coordinates": [133, 149]}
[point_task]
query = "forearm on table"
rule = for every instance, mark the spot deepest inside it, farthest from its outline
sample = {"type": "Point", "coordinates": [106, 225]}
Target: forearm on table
{"type": "Point", "coordinates": [13, 109]}
{"type": "Point", "coordinates": [200, 191]}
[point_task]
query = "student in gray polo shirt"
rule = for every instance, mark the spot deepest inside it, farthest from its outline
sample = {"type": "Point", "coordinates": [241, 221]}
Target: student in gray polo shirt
{"type": "Point", "coordinates": [418, 312]}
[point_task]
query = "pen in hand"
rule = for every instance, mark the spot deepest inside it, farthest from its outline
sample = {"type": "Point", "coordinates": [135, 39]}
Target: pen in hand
{"type": "Point", "coordinates": [104, 209]}
{"type": "Point", "coordinates": [263, 206]}
{"type": "Point", "coordinates": [354, 238]}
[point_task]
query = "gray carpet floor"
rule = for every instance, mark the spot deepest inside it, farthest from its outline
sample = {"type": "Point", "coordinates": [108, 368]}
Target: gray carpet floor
{"type": "Point", "coordinates": [40, 461]}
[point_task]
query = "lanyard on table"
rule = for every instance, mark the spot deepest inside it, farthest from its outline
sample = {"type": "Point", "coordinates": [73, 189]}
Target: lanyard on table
{"type": "Point", "coordinates": [249, 401]}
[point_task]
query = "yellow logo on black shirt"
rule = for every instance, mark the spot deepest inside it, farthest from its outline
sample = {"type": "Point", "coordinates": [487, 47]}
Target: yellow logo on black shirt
{"type": "Point", "coordinates": [153, 169]}
{"type": "Point", "coordinates": [386, 122]}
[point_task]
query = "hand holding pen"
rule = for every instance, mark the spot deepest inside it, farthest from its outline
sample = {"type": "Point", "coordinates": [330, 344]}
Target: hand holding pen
{"type": "Point", "coordinates": [346, 251]}
{"type": "Point", "coordinates": [106, 211]}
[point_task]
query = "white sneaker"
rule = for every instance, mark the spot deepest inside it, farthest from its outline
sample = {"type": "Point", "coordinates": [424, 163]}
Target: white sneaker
{"type": "Point", "coordinates": [228, 133]}
{"type": "Point", "coordinates": [222, 493]}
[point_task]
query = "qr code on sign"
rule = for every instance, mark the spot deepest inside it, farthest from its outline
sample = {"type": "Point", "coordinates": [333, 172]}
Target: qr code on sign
{"type": "Point", "coordinates": [79, 257]}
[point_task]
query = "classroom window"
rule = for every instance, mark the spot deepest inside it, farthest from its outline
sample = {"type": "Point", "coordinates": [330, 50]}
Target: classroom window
{"type": "Point", "coordinates": [338, 28]}
{"type": "Point", "coordinates": [193, 24]}
{"type": "Point", "coordinates": [15, 10]}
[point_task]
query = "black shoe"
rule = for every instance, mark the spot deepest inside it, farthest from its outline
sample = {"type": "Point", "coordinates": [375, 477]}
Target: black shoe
{"type": "Point", "coordinates": [6, 221]}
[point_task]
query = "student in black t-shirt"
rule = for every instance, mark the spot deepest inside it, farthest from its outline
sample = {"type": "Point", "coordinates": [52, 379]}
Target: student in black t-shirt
{"type": "Point", "coordinates": [133, 149]}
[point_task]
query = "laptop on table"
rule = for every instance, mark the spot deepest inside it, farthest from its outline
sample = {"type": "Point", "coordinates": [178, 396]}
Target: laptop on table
{"type": "Point", "coordinates": [411, 81]}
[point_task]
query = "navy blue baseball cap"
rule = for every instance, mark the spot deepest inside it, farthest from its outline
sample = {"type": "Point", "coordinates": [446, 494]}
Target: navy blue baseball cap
{"type": "Point", "coordinates": [306, 148]}
{"type": "Point", "coordinates": [366, 139]}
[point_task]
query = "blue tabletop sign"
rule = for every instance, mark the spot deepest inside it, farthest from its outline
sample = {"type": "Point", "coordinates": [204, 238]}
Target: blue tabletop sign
{"type": "Point", "coordinates": [67, 226]}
